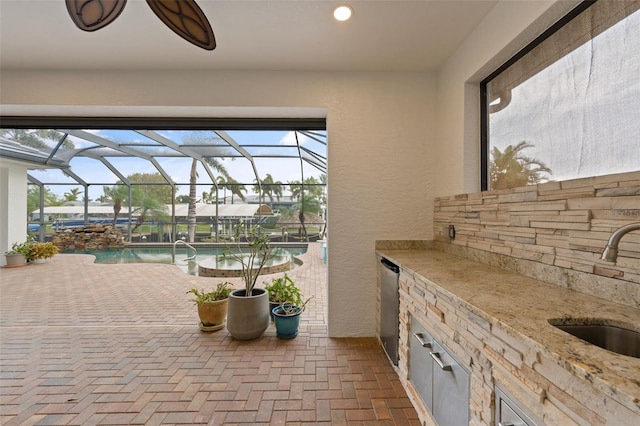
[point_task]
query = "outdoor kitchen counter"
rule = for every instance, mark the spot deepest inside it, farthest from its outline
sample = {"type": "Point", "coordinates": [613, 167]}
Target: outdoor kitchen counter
{"type": "Point", "coordinates": [522, 306]}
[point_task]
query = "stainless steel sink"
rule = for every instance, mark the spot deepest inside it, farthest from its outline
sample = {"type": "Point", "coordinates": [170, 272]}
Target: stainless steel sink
{"type": "Point", "coordinates": [615, 337]}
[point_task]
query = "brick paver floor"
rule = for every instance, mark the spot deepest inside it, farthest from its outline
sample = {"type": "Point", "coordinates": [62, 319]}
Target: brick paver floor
{"type": "Point", "coordinates": [82, 344]}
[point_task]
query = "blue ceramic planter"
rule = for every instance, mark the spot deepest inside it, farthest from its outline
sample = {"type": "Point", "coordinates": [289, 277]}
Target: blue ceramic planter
{"type": "Point", "coordinates": [286, 325]}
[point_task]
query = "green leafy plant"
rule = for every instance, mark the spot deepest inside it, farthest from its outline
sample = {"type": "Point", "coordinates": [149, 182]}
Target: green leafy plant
{"type": "Point", "coordinates": [252, 256]}
{"type": "Point", "coordinates": [20, 248]}
{"type": "Point", "coordinates": [32, 249]}
{"type": "Point", "coordinates": [291, 309]}
{"type": "Point", "coordinates": [221, 292]}
{"type": "Point", "coordinates": [284, 290]}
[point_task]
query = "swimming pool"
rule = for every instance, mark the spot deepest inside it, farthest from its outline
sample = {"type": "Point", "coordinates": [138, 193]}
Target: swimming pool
{"type": "Point", "coordinates": [206, 254]}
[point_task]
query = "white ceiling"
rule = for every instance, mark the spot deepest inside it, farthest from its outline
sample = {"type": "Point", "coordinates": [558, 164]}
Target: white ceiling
{"type": "Point", "coordinates": [393, 35]}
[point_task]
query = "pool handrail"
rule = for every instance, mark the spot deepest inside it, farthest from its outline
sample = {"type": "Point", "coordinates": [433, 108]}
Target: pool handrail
{"type": "Point", "coordinates": [173, 252]}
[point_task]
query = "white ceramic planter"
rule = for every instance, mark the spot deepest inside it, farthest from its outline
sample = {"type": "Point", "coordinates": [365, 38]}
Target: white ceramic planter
{"type": "Point", "coordinates": [15, 260]}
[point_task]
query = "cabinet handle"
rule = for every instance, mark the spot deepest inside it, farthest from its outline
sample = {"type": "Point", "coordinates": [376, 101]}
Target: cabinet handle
{"type": "Point", "coordinates": [438, 360]}
{"type": "Point", "coordinates": [506, 424]}
{"type": "Point", "coordinates": [420, 338]}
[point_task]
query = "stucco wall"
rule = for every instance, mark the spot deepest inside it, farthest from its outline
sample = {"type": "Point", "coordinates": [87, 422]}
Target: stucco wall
{"type": "Point", "coordinates": [380, 138]}
{"type": "Point", "coordinates": [386, 161]}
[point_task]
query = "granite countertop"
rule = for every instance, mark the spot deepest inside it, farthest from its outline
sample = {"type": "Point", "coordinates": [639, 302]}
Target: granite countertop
{"type": "Point", "coordinates": [522, 307]}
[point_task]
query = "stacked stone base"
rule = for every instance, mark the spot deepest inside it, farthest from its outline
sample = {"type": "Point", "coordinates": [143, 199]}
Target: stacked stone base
{"type": "Point", "coordinates": [88, 237]}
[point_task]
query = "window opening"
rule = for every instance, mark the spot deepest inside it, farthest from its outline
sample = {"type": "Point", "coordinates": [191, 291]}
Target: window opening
{"type": "Point", "coordinates": [80, 174]}
{"type": "Point", "coordinates": [567, 106]}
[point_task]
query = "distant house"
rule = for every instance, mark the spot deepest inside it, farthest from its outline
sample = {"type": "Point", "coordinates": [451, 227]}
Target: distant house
{"type": "Point", "coordinates": [66, 216]}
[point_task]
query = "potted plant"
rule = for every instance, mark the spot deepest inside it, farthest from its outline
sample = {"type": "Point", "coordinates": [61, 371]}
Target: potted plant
{"type": "Point", "coordinates": [18, 255]}
{"type": "Point", "coordinates": [282, 290]}
{"type": "Point", "coordinates": [287, 319]}
{"type": "Point", "coordinates": [212, 306]}
{"type": "Point", "coordinates": [248, 315]}
{"type": "Point", "coordinates": [39, 252]}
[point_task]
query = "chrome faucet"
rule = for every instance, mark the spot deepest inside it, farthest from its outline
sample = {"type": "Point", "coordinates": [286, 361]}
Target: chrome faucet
{"type": "Point", "coordinates": [610, 252]}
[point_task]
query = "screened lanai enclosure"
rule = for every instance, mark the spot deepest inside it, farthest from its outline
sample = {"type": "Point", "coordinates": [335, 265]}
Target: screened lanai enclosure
{"type": "Point", "coordinates": [162, 184]}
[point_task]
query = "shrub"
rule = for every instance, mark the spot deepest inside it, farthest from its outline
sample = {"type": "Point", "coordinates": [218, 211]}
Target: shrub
{"type": "Point", "coordinates": [41, 250]}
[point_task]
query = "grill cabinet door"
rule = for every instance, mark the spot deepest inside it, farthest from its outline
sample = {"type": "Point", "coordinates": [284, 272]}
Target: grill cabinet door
{"type": "Point", "coordinates": [450, 389]}
{"type": "Point", "coordinates": [421, 363]}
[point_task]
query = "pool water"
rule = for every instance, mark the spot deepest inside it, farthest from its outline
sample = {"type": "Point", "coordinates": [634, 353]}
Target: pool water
{"type": "Point", "coordinates": [163, 254]}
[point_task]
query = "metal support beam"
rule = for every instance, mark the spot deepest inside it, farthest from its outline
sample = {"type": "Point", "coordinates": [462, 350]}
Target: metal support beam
{"type": "Point", "coordinates": [228, 139]}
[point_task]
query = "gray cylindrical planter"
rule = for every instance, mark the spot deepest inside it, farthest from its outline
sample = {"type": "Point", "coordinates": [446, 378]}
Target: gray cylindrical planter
{"type": "Point", "coordinates": [248, 317]}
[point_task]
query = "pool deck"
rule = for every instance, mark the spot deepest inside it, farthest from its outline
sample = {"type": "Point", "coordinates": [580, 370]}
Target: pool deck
{"type": "Point", "coordinates": [84, 344]}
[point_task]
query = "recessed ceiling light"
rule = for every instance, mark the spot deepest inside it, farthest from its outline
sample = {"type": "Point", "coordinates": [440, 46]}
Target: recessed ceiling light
{"type": "Point", "coordinates": [342, 13]}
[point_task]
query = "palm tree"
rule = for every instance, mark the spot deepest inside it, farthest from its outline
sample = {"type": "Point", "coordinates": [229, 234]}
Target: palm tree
{"type": "Point", "coordinates": [222, 184]}
{"type": "Point", "coordinates": [314, 187]}
{"type": "Point", "coordinates": [512, 168]}
{"type": "Point", "coordinates": [191, 212]}
{"type": "Point", "coordinates": [232, 185]}
{"type": "Point", "coordinates": [296, 189]}
{"type": "Point", "coordinates": [308, 203]}
{"type": "Point", "coordinates": [147, 207]}
{"type": "Point", "coordinates": [310, 195]}
{"type": "Point", "coordinates": [146, 200]}
{"type": "Point", "coordinates": [117, 194]}
{"type": "Point", "coordinates": [311, 185]}
{"type": "Point", "coordinates": [269, 188]}
{"type": "Point", "coordinates": [72, 195]}
{"type": "Point", "coordinates": [236, 189]}
{"type": "Point", "coordinates": [206, 197]}
{"type": "Point", "coordinates": [276, 189]}
{"type": "Point", "coordinates": [193, 177]}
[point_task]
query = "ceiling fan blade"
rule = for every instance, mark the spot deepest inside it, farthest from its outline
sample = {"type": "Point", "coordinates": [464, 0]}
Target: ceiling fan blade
{"type": "Point", "coordinates": [186, 19]}
{"type": "Point", "coordinates": [91, 15]}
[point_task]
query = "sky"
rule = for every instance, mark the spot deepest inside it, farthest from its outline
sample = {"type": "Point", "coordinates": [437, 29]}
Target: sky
{"type": "Point", "coordinates": [281, 169]}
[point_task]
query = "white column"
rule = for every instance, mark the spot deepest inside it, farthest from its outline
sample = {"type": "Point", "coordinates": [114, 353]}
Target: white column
{"type": "Point", "coordinates": [13, 205]}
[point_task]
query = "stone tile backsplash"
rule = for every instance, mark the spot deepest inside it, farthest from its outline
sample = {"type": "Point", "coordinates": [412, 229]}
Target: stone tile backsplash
{"type": "Point", "coordinates": [553, 232]}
